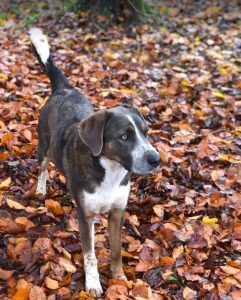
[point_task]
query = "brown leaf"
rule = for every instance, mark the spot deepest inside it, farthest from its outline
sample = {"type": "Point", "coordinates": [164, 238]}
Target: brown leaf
{"type": "Point", "coordinates": [6, 274]}
{"type": "Point", "coordinates": [177, 251]}
{"type": "Point", "coordinates": [189, 294]}
{"type": "Point", "coordinates": [6, 138]}
{"type": "Point", "coordinates": [21, 294]}
{"type": "Point", "coordinates": [44, 247]}
{"type": "Point", "coordinates": [237, 230]}
{"type": "Point", "coordinates": [159, 211]}
{"type": "Point", "coordinates": [54, 206]}
{"type": "Point", "coordinates": [140, 290]}
{"type": "Point", "coordinates": [183, 236]}
{"type": "Point", "coordinates": [203, 150]}
{"type": "Point", "coordinates": [143, 266]}
{"type": "Point", "coordinates": [66, 280]}
{"type": "Point", "coordinates": [51, 283]}
{"type": "Point", "coordinates": [229, 270]}
{"type": "Point", "coordinates": [7, 225]}
{"type": "Point", "coordinates": [5, 183]}
{"type": "Point", "coordinates": [16, 205]}
{"type": "Point", "coordinates": [166, 261]}
{"type": "Point", "coordinates": [22, 284]}
{"type": "Point", "coordinates": [236, 295]}
{"type": "Point", "coordinates": [164, 151]}
{"type": "Point", "coordinates": [126, 254]}
{"type": "Point", "coordinates": [194, 277]}
{"type": "Point", "coordinates": [27, 134]}
{"type": "Point", "coordinates": [37, 293]}
{"type": "Point", "coordinates": [238, 276]}
{"type": "Point", "coordinates": [23, 220]}
{"type": "Point", "coordinates": [67, 265]}
{"type": "Point", "coordinates": [216, 174]}
{"type": "Point", "coordinates": [134, 246]}
{"type": "Point", "coordinates": [116, 291]}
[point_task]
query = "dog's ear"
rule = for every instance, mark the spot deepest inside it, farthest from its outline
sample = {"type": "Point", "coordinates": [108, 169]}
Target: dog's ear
{"type": "Point", "coordinates": [137, 113]}
{"type": "Point", "coordinates": [91, 131]}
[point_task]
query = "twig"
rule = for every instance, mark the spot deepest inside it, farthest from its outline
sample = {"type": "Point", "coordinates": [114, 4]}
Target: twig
{"type": "Point", "coordinates": [137, 10]}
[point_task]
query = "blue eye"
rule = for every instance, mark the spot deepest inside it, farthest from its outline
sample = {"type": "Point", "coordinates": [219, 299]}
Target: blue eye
{"type": "Point", "coordinates": [124, 137]}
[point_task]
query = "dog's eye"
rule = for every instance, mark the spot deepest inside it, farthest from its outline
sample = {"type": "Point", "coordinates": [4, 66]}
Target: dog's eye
{"type": "Point", "coordinates": [124, 137]}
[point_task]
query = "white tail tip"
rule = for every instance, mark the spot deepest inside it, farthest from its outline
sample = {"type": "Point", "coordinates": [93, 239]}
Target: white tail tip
{"type": "Point", "coordinates": [40, 43]}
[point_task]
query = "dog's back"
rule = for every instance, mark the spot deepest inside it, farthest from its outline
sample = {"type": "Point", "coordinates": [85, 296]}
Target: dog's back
{"type": "Point", "coordinates": [65, 107]}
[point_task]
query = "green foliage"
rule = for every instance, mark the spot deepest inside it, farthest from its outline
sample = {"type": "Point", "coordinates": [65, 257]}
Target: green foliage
{"type": "Point", "coordinates": [2, 16]}
{"type": "Point", "coordinates": [138, 8]}
{"type": "Point", "coordinates": [29, 12]}
{"type": "Point", "coordinates": [172, 278]}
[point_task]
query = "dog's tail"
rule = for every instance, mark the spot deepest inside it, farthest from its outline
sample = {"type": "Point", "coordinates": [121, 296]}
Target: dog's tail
{"type": "Point", "coordinates": [41, 50]}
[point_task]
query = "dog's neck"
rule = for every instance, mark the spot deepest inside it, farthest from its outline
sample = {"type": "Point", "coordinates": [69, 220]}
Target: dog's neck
{"type": "Point", "coordinates": [114, 171]}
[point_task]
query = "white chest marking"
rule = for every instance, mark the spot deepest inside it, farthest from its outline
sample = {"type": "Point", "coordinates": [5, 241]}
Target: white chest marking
{"type": "Point", "coordinates": [109, 194]}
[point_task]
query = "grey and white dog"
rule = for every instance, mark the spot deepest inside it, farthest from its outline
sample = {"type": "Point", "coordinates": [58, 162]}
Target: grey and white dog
{"type": "Point", "coordinates": [97, 152]}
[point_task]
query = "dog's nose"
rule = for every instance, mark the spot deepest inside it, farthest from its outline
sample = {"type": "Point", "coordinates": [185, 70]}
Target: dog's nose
{"type": "Point", "coordinates": [153, 159]}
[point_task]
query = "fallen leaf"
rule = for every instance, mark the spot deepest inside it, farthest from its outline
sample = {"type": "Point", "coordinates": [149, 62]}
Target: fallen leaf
{"type": "Point", "coordinates": [51, 283]}
{"type": "Point", "coordinates": [14, 204]}
{"type": "Point", "coordinates": [159, 211]}
{"type": "Point", "coordinates": [166, 261]}
{"type": "Point", "coordinates": [229, 270]}
{"type": "Point", "coordinates": [236, 295]}
{"type": "Point", "coordinates": [210, 221]}
{"type": "Point", "coordinates": [6, 274]}
{"type": "Point", "coordinates": [6, 138]}
{"type": "Point", "coordinates": [67, 265]}
{"type": "Point", "coordinates": [189, 294]}
{"type": "Point", "coordinates": [5, 183]}
{"type": "Point", "coordinates": [54, 206]}
{"type": "Point", "coordinates": [37, 293]}
{"type": "Point", "coordinates": [140, 290]}
{"type": "Point", "coordinates": [18, 206]}
{"type": "Point", "coordinates": [21, 294]}
{"type": "Point", "coordinates": [23, 220]}
{"type": "Point", "coordinates": [177, 251]}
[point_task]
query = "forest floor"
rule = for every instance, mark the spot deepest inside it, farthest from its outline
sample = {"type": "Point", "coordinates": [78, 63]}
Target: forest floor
{"type": "Point", "coordinates": [182, 229]}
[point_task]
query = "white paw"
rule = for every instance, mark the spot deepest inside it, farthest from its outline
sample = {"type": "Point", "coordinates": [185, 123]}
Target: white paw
{"type": "Point", "coordinates": [93, 286]}
{"type": "Point", "coordinates": [41, 188]}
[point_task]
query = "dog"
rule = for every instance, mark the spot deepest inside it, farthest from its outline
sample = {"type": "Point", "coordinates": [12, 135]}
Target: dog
{"type": "Point", "coordinates": [96, 152]}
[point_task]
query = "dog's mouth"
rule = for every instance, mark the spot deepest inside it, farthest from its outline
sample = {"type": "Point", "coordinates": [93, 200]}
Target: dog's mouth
{"type": "Point", "coordinates": [146, 171]}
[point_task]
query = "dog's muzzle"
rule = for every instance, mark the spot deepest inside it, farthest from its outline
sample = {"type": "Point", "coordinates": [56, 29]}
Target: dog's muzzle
{"type": "Point", "coordinates": [145, 159]}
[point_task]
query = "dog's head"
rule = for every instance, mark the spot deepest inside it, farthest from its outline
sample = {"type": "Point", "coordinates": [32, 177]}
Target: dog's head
{"type": "Point", "coordinates": [120, 134]}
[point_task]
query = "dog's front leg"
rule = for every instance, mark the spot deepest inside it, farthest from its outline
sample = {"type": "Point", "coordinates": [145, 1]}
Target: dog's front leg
{"type": "Point", "coordinates": [115, 220]}
{"type": "Point", "coordinates": [92, 281]}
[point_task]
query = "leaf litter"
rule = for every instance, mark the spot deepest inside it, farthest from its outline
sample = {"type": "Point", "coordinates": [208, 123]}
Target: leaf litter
{"type": "Point", "coordinates": [182, 233]}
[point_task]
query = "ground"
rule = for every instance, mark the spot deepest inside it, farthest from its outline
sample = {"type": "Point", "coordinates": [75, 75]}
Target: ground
{"type": "Point", "coordinates": [182, 230]}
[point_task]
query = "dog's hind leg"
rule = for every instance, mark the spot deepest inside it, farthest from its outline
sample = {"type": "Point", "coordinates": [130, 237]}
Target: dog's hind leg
{"type": "Point", "coordinates": [42, 177]}
{"type": "Point", "coordinates": [43, 156]}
